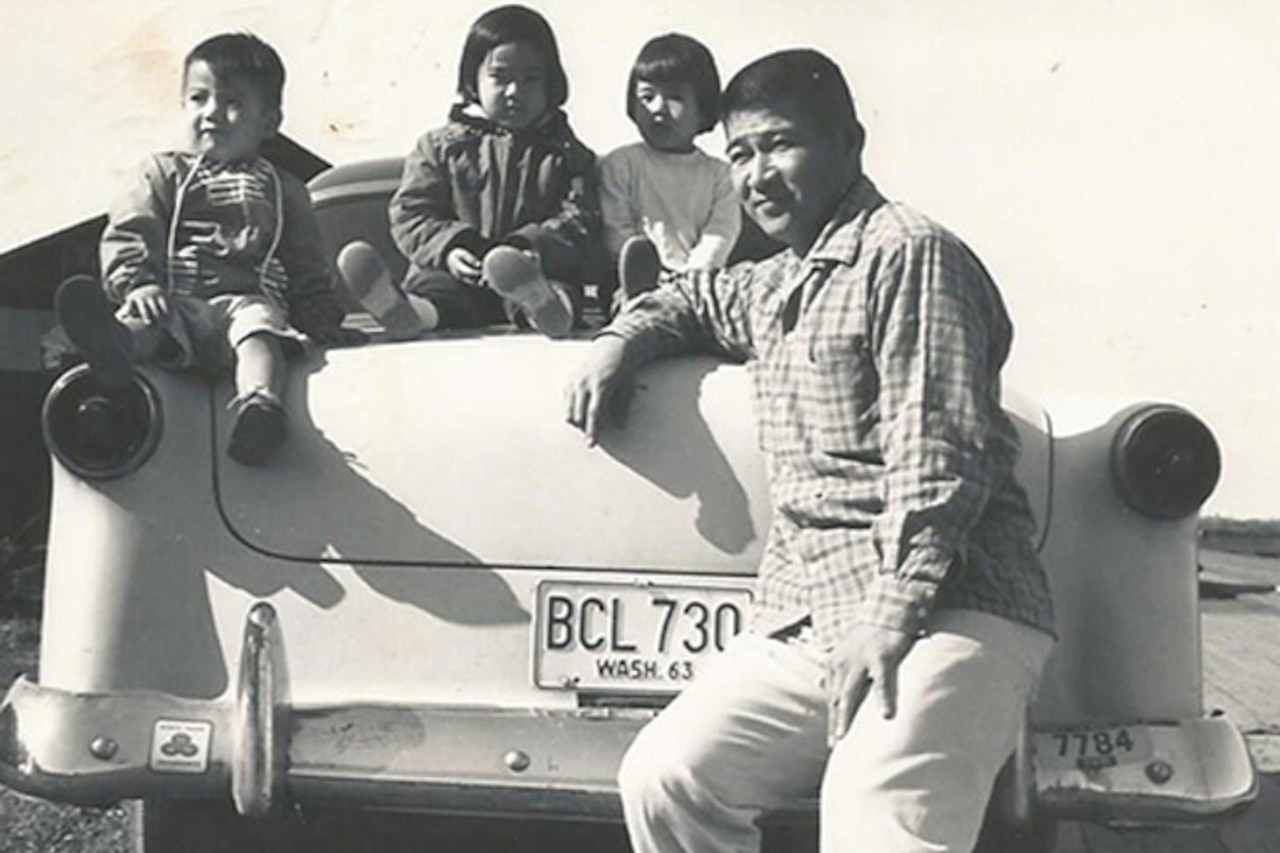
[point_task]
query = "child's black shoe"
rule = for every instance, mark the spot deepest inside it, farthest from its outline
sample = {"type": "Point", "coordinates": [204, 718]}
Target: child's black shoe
{"type": "Point", "coordinates": [90, 322]}
{"type": "Point", "coordinates": [259, 429]}
{"type": "Point", "coordinates": [639, 267]}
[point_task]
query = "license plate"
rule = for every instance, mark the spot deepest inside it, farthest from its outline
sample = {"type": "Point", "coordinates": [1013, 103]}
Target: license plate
{"type": "Point", "coordinates": [629, 637]}
{"type": "Point", "coordinates": [1091, 749]}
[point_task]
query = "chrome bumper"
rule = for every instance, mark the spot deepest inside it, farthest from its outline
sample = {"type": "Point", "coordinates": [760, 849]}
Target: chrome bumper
{"type": "Point", "coordinates": [99, 749]}
{"type": "Point", "coordinates": [257, 750]}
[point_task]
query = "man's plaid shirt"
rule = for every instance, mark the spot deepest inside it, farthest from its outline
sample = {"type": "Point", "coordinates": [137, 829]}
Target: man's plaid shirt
{"type": "Point", "coordinates": [875, 361]}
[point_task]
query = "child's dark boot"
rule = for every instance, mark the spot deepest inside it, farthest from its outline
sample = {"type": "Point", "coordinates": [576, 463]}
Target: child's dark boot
{"type": "Point", "coordinates": [260, 427]}
{"type": "Point", "coordinates": [639, 267]}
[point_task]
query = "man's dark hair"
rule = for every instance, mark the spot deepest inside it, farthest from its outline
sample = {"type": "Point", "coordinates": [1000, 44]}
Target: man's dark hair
{"type": "Point", "coordinates": [802, 80]}
{"type": "Point", "coordinates": [676, 58]}
{"type": "Point", "coordinates": [507, 25]}
{"type": "Point", "coordinates": [245, 57]}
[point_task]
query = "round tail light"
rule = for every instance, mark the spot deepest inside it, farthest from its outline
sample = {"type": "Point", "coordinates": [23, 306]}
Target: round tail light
{"type": "Point", "coordinates": [1165, 462]}
{"type": "Point", "coordinates": [99, 433]}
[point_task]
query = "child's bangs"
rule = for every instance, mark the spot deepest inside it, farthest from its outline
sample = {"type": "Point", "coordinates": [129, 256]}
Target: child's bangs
{"type": "Point", "coordinates": [663, 69]}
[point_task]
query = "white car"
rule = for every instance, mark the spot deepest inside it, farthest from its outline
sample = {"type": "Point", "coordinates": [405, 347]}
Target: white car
{"type": "Point", "coordinates": [438, 599]}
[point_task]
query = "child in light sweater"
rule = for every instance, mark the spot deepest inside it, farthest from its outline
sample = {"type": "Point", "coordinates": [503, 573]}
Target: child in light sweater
{"type": "Point", "coordinates": [663, 200]}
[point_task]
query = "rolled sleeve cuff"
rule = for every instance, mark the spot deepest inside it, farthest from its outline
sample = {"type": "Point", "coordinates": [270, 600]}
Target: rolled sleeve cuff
{"type": "Point", "coordinates": [638, 350]}
{"type": "Point", "coordinates": [904, 605]}
{"type": "Point", "coordinates": [653, 326]}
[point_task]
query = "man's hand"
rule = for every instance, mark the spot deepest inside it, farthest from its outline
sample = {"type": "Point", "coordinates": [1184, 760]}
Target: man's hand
{"type": "Point", "coordinates": [463, 265]}
{"type": "Point", "coordinates": [865, 660]}
{"type": "Point", "coordinates": [600, 384]}
{"type": "Point", "coordinates": [148, 303]}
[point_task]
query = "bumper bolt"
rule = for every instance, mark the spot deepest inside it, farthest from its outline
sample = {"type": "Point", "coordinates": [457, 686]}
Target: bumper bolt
{"type": "Point", "coordinates": [103, 748]}
{"type": "Point", "coordinates": [1159, 772]}
{"type": "Point", "coordinates": [517, 761]}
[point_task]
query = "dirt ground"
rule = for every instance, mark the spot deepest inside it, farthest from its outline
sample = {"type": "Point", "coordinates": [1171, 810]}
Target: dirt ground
{"type": "Point", "coordinates": [29, 825]}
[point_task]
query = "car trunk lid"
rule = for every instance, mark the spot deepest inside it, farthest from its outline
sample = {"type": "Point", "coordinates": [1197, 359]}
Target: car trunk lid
{"type": "Point", "coordinates": [455, 451]}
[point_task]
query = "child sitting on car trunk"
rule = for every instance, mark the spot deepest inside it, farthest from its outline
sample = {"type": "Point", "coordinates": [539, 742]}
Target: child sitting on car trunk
{"type": "Point", "coordinates": [497, 211]}
{"type": "Point", "coordinates": [664, 201]}
{"type": "Point", "coordinates": [212, 259]}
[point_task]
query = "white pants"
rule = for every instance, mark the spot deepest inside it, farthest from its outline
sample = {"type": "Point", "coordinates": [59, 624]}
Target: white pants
{"type": "Point", "coordinates": [750, 735]}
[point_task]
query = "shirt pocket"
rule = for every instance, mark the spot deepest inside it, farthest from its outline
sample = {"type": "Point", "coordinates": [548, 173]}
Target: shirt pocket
{"type": "Point", "coordinates": [841, 403]}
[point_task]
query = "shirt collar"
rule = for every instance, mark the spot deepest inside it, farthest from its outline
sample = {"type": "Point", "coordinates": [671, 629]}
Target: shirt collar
{"type": "Point", "coordinates": [205, 168]}
{"type": "Point", "coordinates": [840, 238]}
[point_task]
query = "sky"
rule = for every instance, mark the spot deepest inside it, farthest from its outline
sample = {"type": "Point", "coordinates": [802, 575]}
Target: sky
{"type": "Point", "coordinates": [1115, 163]}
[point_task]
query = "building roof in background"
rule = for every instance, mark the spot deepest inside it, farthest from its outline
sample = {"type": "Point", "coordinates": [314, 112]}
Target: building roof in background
{"type": "Point", "coordinates": [21, 235]}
